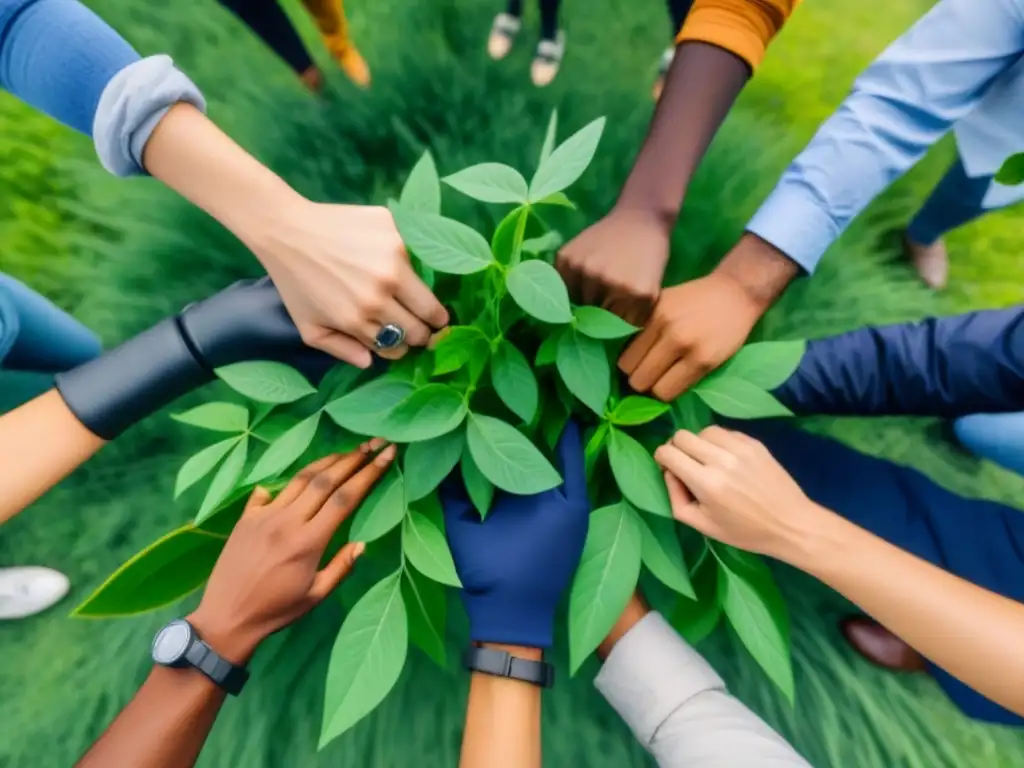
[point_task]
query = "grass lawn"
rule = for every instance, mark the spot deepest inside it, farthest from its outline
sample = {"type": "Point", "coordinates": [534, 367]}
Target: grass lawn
{"type": "Point", "coordinates": [134, 254]}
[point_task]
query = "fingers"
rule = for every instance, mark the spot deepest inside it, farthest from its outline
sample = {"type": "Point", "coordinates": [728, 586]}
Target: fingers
{"type": "Point", "coordinates": [591, 290]}
{"type": "Point", "coordinates": [415, 296]}
{"type": "Point", "coordinates": [699, 448]}
{"type": "Point", "coordinates": [679, 378]}
{"type": "Point", "coordinates": [332, 574]}
{"type": "Point", "coordinates": [301, 480]}
{"type": "Point", "coordinates": [343, 500]}
{"type": "Point", "coordinates": [728, 440]}
{"type": "Point", "coordinates": [260, 498]}
{"type": "Point", "coordinates": [655, 364]}
{"type": "Point", "coordinates": [638, 349]}
{"type": "Point", "coordinates": [340, 346]}
{"type": "Point", "coordinates": [685, 508]}
{"type": "Point", "coordinates": [328, 480]}
{"type": "Point", "coordinates": [685, 468]}
{"type": "Point", "coordinates": [417, 333]}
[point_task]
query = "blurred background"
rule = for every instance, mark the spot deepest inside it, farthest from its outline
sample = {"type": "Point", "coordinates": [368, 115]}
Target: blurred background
{"type": "Point", "coordinates": [121, 254]}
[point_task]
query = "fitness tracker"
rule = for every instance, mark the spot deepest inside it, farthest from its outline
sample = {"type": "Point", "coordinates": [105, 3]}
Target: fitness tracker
{"type": "Point", "coordinates": [178, 646]}
{"type": "Point", "coordinates": [503, 664]}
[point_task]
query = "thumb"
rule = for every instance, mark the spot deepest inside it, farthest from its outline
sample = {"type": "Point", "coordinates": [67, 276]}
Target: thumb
{"type": "Point", "coordinates": [332, 574]}
{"type": "Point", "coordinates": [685, 508]}
{"type": "Point", "coordinates": [260, 498]}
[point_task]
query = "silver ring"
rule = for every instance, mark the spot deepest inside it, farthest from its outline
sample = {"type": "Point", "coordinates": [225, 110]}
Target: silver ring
{"type": "Point", "coordinates": [389, 337]}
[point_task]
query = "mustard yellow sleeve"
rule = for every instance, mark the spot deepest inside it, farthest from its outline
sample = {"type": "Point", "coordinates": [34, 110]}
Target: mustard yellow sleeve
{"type": "Point", "coordinates": [742, 27]}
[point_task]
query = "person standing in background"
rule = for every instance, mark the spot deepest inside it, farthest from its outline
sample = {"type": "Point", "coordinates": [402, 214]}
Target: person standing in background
{"type": "Point", "coordinates": [271, 24]}
{"type": "Point", "coordinates": [550, 49]}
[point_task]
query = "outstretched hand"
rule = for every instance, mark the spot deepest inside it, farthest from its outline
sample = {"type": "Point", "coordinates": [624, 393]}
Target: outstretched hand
{"type": "Point", "coordinates": [515, 565]}
{"type": "Point", "coordinates": [269, 573]}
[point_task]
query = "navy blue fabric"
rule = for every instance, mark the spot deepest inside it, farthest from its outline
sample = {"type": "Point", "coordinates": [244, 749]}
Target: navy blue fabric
{"type": "Point", "coordinates": [980, 541]}
{"type": "Point", "coordinates": [516, 565]}
{"type": "Point", "coordinates": [950, 367]}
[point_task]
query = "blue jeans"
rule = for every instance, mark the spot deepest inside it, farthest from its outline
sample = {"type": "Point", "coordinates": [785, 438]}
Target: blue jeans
{"type": "Point", "coordinates": [998, 437]}
{"type": "Point", "coordinates": [37, 336]}
{"type": "Point", "coordinates": [955, 201]}
{"type": "Point", "coordinates": [978, 540]}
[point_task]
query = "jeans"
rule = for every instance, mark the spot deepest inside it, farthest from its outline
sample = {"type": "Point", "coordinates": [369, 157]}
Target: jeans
{"type": "Point", "coordinates": [37, 336]}
{"type": "Point", "coordinates": [998, 437]}
{"type": "Point", "coordinates": [955, 201]}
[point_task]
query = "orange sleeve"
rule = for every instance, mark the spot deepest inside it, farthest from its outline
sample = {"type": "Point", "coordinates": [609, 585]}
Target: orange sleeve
{"type": "Point", "coordinates": [742, 27]}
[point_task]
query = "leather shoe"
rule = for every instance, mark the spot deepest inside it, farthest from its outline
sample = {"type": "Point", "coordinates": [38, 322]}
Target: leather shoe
{"type": "Point", "coordinates": [880, 646]}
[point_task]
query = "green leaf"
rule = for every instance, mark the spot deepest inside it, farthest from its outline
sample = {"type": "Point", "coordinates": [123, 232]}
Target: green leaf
{"type": "Point", "coordinates": [198, 466]}
{"type": "Point", "coordinates": [446, 245]}
{"type": "Point", "coordinates": [583, 365]}
{"type": "Point", "coordinates": [337, 381]}
{"type": "Point", "coordinates": [554, 417]}
{"type": "Point", "coordinates": [507, 458]}
{"type": "Point", "coordinates": [285, 451]}
{"type": "Point", "coordinates": [224, 481]}
{"type": "Point", "coordinates": [429, 412]}
{"type": "Point", "coordinates": [457, 347]}
{"type": "Point", "coordinates": [169, 569]}
{"type": "Point", "coordinates": [381, 511]}
{"type": "Point", "coordinates": [479, 489]}
{"type": "Point", "coordinates": [365, 409]}
{"type": "Point", "coordinates": [696, 619]}
{"type": "Point", "coordinates": [217, 417]}
{"type": "Point", "coordinates": [558, 198]}
{"type": "Point", "coordinates": [490, 183]}
{"type": "Point", "coordinates": [514, 381]}
{"type": "Point", "coordinates": [425, 546]}
{"type": "Point", "coordinates": [549, 241]}
{"type": "Point", "coordinates": [604, 581]}
{"type": "Point", "coordinates": [422, 189]}
{"type": "Point", "coordinates": [367, 657]}
{"type": "Point", "coordinates": [1011, 173]}
{"type": "Point", "coordinates": [548, 350]}
{"type": "Point", "coordinates": [755, 610]}
{"type": "Point", "coordinates": [637, 475]}
{"type": "Point", "coordinates": [663, 555]}
{"type": "Point", "coordinates": [427, 606]}
{"type": "Point", "coordinates": [266, 381]}
{"type": "Point", "coordinates": [599, 323]}
{"type": "Point", "coordinates": [508, 235]}
{"type": "Point", "coordinates": [538, 289]}
{"type": "Point", "coordinates": [429, 462]}
{"type": "Point", "coordinates": [690, 412]}
{"type": "Point", "coordinates": [739, 399]}
{"type": "Point", "coordinates": [595, 447]}
{"type": "Point", "coordinates": [275, 426]}
{"type": "Point", "coordinates": [634, 410]}
{"type": "Point", "coordinates": [567, 162]}
{"type": "Point", "coordinates": [550, 136]}
{"type": "Point", "coordinates": [766, 364]}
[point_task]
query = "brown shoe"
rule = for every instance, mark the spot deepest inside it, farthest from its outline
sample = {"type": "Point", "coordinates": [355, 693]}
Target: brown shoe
{"type": "Point", "coordinates": [930, 261]}
{"type": "Point", "coordinates": [880, 646]}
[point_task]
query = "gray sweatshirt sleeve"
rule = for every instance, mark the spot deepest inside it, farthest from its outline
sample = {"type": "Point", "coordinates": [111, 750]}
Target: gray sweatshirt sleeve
{"type": "Point", "coordinates": [132, 103]}
{"type": "Point", "coordinates": [678, 708]}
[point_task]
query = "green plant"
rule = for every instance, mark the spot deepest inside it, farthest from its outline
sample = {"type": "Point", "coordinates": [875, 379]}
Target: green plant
{"type": "Point", "coordinates": [475, 401]}
{"type": "Point", "coordinates": [1011, 172]}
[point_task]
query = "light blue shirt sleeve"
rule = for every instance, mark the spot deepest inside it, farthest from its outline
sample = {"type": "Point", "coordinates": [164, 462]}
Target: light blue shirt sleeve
{"type": "Point", "coordinates": [931, 77]}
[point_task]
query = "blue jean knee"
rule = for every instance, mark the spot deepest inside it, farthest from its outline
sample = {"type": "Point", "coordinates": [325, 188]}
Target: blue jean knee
{"type": "Point", "coordinates": [998, 437]}
{"type": "Point", "coordinates": [38, 336]}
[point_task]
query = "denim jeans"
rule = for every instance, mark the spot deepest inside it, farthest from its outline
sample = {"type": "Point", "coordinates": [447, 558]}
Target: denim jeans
{"type": "Point", "coordinates": [998, 437]}
{"type": "Point", "coordinates": [37, 336]}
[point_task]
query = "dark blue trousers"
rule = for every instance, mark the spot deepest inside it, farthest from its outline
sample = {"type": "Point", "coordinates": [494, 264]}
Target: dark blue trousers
{"type": "Point", "coordinates": [980, 541]}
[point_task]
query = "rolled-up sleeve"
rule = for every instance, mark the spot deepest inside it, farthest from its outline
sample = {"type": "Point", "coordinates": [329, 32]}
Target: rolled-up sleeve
{"type": "Point", "coordinates": [742, 27]}
{"type": "Point", "coordinates": [678, 708]}
{"type": "Point", "coordinates": [903, 103]}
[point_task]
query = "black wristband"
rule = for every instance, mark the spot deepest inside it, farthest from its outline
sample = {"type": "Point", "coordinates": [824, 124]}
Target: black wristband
{"type": "Point", "coordinates": [491, 661]}
{"type": "Point", "coordinates": [128, 383]}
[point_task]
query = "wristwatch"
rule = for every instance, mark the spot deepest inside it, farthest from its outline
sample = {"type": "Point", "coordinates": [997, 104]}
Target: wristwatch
{"type": "Point", "coordinates": [178, 645]}
{"type": "Point", "coordinates": [491, 661]}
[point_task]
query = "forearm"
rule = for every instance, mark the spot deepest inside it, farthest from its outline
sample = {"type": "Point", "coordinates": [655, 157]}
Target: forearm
{"type": "Point", "coordinates": [41, 442]}
{"type": "Point", "coordinates": [195, 158]}
{"type": "Point", "coordinates": [949, 367]}
{"type": "Point", "coordinates": [923, 604]}
{"type": "Point", "coordinates": [702, 84]}
{"type": "Point", "coordinates": [503, 719]}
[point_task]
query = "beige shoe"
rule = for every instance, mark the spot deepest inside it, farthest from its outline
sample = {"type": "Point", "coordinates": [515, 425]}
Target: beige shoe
{"type": "Point", "coordinates": [503, 34]}
{"type": "Point", "coordinates": [931, 262]}
{"type": "Point", "coordinates": [547, 60]}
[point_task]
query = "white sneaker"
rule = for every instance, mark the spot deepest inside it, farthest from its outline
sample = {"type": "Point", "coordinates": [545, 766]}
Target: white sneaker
{"type": "Point", "coordinates": [29, 590]}
{"type": "Point", "coordinates": [547, 60]}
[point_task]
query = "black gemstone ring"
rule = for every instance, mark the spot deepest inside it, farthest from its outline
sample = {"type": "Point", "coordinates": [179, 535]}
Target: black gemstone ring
{"type": "Point", "coordinates": [389, 337]}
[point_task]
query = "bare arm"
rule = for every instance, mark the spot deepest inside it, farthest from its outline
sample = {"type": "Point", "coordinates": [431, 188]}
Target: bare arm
{"type": "Point", "coordinates": [502, 719]}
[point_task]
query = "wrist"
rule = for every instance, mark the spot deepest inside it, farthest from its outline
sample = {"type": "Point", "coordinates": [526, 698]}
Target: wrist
{"type": "Point", "coordinates": [635, 610]}
{"type": "Point", "coordinates": [759, 270]}
{"type": "Point", "coordinates": [231, 642]}
{"type": "Point", "coordinates": [822, 539]}
{"type": "Point", "coordinates": [645, 207]}
{"type": "Point", "coordinates": [261, 221]}
{"type": "Point", "coordinates": [519, 651]}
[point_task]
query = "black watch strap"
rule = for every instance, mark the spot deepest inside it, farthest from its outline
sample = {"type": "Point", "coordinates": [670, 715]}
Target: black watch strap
{"type": "Point", "coordinates": [222, 672]}
{"type": "Point", "coordinates": [491, 661]}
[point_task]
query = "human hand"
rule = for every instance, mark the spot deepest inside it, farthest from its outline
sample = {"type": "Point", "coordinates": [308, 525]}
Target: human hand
{"type": "Point", "coordinates": [618, 263]}
{"type": "Point", "coordinates": [695, 328]}
{"type": "Point", "coordinates": [729, 487]}
{"type": "Point", "coordinates": [515, 565]}
{"type": "Point", "coordinates": [269, 572]}
{"type": "Point", "coordinates": [343, 274]}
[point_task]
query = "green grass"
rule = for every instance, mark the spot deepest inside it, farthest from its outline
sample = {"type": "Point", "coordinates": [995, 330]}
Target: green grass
{"type": "Point", "coordinates": [139, 254]}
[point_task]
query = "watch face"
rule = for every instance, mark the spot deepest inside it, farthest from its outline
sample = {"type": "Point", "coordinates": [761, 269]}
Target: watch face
{"type": "Point", "coordinates": [172, 642]}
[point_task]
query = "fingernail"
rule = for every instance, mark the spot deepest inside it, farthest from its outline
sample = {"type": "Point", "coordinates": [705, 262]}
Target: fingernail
{"type": "Point", "coordinates": [377, 443]}
{"type": "Point", "coordinates": [358, 550]}
{"type": "Point", "coordinates": [386, 456]}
